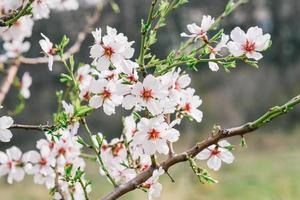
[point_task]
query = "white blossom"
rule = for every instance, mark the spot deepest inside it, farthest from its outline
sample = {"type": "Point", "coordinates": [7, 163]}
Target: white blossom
{"type": "Point", "coordinates": [250, 43]}
{"type": "Point", "coordinates": [216, 154]}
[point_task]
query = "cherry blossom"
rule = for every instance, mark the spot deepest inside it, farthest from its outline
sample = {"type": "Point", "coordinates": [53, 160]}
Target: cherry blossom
{"type": "Point", "coordinates": [40, 9]}
{"type": "Point", "coordinates": [5, 133]}
{"type": "Point", "coordinates": [146, 94]}
{"type": "Point", "coordinates": [216, 154]}
{"type": "Point", "coordinates": [130, 128]}
{"type": "Point", "coordinates": [153, 134]}
{"type": "Point", "coordinates": [154, 186]}
{"type": "Point", "coordinates": [111, 48]}
{"type": "Point", "coordinates": [11, 163]}
{"type": "Point", "coordinates": [250, 43]}
{"type": "Point", "coordinates": [48, 49]}
{"type": "Point", "coordinates": [26, 82]}
{"type": "Point", "coordinates": [15, 48]}
{"type": "Point", "coordinates": [189, 105]}
{"type": "Point", "coordinates": [200, 31]}
{"type": "Point", "coordinates": [106, 95]}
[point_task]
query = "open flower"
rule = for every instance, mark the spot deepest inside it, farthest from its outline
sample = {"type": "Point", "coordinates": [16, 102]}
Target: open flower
{"type": "Point", "coordinates": [250, 43]}
{"type": "Point", "coordinates": [111, 48]}
{"type": "Point", "coordinates": [15, 48]}
{"type": "Point", "coordinates": [216, 154]}
{"type": "Point", "coordinates": [189, 105]}
{"type": "Point", "coordinates": [11, 163]}
{"type": "Point", "coordinates": [5, 133]}
{"type": "Point", "coordinates": [25, 84]}
{"type": "Point", "coordinates": [199, 31]}
{"type": "Point", "coordinates": [48, 49]}
{"type": "Point", "coordinates": [153, 135]}
{"type": "Point", "coordinates": [154, 186]}
{"type": "Point", "coordinates": [147, 94]}
{"type": "Point", "coordinates": [106, 96]}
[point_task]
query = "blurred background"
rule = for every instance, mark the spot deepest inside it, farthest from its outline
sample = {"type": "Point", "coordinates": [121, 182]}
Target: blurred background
{"type": "Point", "coordinates": [267, 170]}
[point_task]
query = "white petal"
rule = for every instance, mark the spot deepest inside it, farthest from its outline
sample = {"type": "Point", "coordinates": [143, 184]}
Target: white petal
{"type": "Point", "coordinates": [203, 155]}
{"type": "Point", "coordinates": [214, 163]}
{"type": "Point", "coordinates": [6, 122]}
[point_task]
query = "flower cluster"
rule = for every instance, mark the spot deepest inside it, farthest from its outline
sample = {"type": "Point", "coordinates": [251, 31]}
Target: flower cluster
{"type": "Point", "coordinates": [248, 44]}
{"type": "Point", "coordinates": [158, 102]}
{"type": "Point", "coordinates": [55, 163]}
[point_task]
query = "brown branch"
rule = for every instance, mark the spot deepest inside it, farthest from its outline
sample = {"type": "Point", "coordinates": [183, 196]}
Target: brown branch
{"type": "Point", "coordinates": [6, 84]}
{"type": "Point", "coordinates": [212, 139]}
{"type": "Point", "coordinates": [76, 46]}
{"type": "Point", "coordinates": [31, 127]}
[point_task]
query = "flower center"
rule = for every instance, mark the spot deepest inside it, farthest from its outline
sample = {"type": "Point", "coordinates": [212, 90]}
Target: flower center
{"type": "Point", "coordinates": [249, 46]}
{"type": "Point", "coordinates": [187, 107]}
{"type": "Point", "coordinates": [108, 51]}
{"type": "Point", "coordinates": [116, 149]}
{"type": "Point", "coordinates": [9, 164]}
{"type": "Point", "coordinates": [62, 151]}
{"type": "Point", "coordinates": [80, 78]}
{"type": "Point", "coordinates": [153, 134]}
{"type": "Point", "coordinates": [215, 151]}
{"type": "Point", "coordinates": [52, 51]}
{"type": "Point", "coordinates": [106, 94]}
{"type": "Point", "coordinates": [43, 162]}
{"type": "Point", "coordinates": [147, 94]}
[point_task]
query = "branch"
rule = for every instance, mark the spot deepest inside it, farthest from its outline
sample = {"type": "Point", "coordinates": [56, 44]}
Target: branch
{"type": "Point", "coordinates": [76, 46]}
{"type": "Point", "coordinates": [212, 139]}
{"type": "Point", "coordinates": [5, 86]}
{"type": "Point", "coordinates": [31, 127]}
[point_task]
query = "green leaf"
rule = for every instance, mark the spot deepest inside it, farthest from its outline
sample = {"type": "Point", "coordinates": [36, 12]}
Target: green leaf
{"type": "Point", "coordinates": [83, 111]}
{"type": "Point", "coordinates": [64, 78]}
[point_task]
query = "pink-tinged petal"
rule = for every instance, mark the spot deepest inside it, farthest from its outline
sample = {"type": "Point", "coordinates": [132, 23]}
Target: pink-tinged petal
{"type": "Point", "coordinates": [194, 28]}
{"type": "Point", "coordinates": [254, 55]}
{"type": "Point", "coordinates": [96, 51]}
{"type": "Point", "coordinates": [197, 115]}
{"type": "Point", "coordinates": [172, 135]}
{"type": "Point", "coordinates": [5, 135]}
{"type": "Point", "coordinates": [203, 155]}
{"type": "Point", "coordinates": [109, 107]}
{"type": "Point", "coordinates": [238, 35]}
{"type": "Point", "coordinates": [6, 122]}
{"type": "Point", "coordinates": [186, 35]}
{"type": "Point", "coordinates": [18, 174]}
{"type": "Point", "coordinates": [262, 42]}
{"type": "Point", "coordinates": [129, 102]}
{"type": "Point", "coordinates": [184, 80]}
{"type": "Point", "coordinates": [14, 153]}
{"type": "Point", "coordinates": [3, 158]}
{"type": "Point", "coordinates": [213, 66]}
{"type": "Point", "coordinates": [102, 63]}
{"type": "Point", "coordinates": [226, 156]}
{"type": "Point", "coordinates": [31, 156]}
{"type": "Point", "coordinates": [50, 62]}
{"type": "Point", "coordinates": [96, 101]}
{"type": "Point", "coordinates": [214, 163]}
{"type": "Point", "coordinates": [235, 49]}
{"type": "Point", "coordinates": [224, 143]}
{"type": "Point", "coordinates": [253, 33]}
{"type": "Point", "coordinates": [162, 147]}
